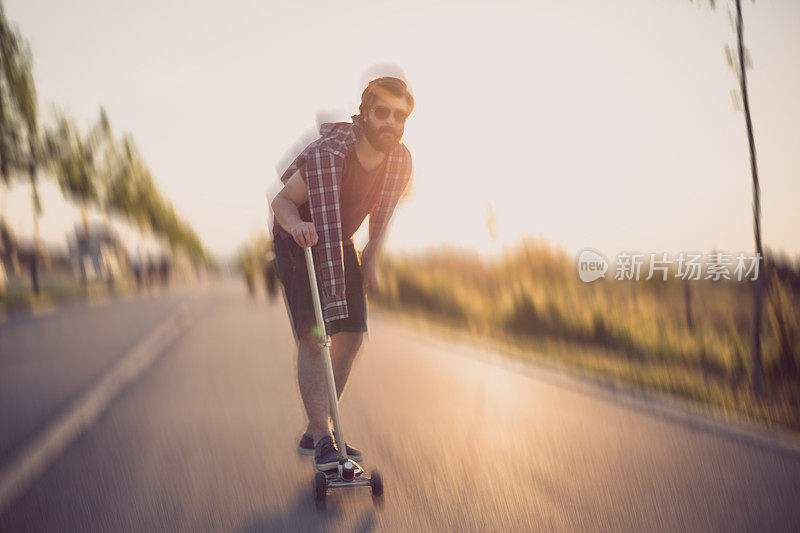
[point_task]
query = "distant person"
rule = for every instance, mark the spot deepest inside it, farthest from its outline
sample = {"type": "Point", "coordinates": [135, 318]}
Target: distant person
{"type": "Point", "coordinates": [164, 270]}
{"type": "Point", "coordinates": [151, 272]}
{"type": "Point", "coordinates": [33, 265]}
{"type": "Point", "coordinates": [3, 279]}
{"type": "Point", "coordinates": [270, 277]}
{"type": "Point", "coordinates": [250, 282]}
{"type": "Point", "coordinates": [138, 271]}
{"type": "Point", "coordinates": [367, 168]}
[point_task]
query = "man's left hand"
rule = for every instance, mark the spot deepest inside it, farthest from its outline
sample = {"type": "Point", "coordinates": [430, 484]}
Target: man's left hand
{"type": "Point", "coordinates": [369, 270]}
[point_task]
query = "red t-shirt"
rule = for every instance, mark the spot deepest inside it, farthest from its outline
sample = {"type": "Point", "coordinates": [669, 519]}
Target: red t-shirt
{"type": "Point", "coordinates": [358, 195]}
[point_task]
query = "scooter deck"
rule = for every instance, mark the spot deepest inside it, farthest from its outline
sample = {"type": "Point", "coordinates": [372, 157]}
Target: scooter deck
{"type": "Point", "coordinates": [335, 480]}
{"type": "Point", "coordinates": [335, 473]}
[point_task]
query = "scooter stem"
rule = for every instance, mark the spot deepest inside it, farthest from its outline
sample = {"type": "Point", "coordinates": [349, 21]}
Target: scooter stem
{"type": "Point", "coordinates": [325, 352]}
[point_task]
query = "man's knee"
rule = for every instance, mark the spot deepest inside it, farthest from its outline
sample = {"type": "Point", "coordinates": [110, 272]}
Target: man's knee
{"type": "Point", "coordinates": [307, 344]}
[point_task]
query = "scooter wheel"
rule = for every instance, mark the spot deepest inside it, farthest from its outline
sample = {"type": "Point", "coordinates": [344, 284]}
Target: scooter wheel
{"type": "Point", "coordinates": [320, 486]}
{"type": "Point", "coordinates": [376, 483]}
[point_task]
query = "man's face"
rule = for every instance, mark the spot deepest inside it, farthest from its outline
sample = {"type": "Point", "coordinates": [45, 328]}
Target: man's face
{"type": "Point", "coordinates": [386, 121]}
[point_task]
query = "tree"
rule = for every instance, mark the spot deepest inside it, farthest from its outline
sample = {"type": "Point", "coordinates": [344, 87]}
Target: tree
{"type": "Point", "coordinates": [25, 91]}
{"type": "Point", "coordinates": [130, 191]}
{"type": "Point", "coordinates": [759, 284]}
{"type": "Point", "coordinates": [19, 135]}
{"type": "Point", "coordinates": [71, 158]}
{"type": "Point", "coordinates": [123, 171]}
{"type": "Point", "coordinates": [91, 170]}
{"type": "Point", "coordinates": [739, 60]}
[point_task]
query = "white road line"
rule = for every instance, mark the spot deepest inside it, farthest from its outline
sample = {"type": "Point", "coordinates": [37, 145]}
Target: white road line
{"type": "Point", "coordinates": [48, 445]}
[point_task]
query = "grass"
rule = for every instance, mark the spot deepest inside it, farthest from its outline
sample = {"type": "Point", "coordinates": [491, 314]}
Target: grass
{"type": "Point", "coordinates": [635, 332]}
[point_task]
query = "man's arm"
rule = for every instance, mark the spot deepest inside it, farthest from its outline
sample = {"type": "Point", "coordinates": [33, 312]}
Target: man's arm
{"type": "Point", "coordinates": [317, 182]}
{"type": "Point", "coordinates": [374, 246]}
{"type": "Point", "coordinates": [379, 219]}
{"type": "Point", "coordinates": [285, 206]}
{"type": "Point", "coordinates": [370, 257]}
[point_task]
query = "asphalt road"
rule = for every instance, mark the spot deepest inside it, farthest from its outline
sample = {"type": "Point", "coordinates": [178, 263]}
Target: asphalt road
{"type": "Point", "coordinates": [205, 438]}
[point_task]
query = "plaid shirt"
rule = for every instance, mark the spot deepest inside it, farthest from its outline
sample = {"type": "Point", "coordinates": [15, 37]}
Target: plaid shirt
{"type": "Point", "coordinates": [321, 165]}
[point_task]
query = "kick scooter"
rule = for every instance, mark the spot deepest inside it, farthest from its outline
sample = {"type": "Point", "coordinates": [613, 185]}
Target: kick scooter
{"type": "Point", "coordinates": [348, 473]}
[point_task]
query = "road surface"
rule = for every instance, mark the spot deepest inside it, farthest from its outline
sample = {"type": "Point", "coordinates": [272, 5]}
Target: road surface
{"type": "Point", "coordinates": [204, 438]}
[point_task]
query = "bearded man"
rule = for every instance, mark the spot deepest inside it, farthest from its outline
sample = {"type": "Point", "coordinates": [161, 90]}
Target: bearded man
{"type": "Point", "coordinates": [354, 169]}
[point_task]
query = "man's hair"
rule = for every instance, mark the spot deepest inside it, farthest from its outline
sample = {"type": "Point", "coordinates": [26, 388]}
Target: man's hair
{"type": "Point", "coordinates": [394, 86]}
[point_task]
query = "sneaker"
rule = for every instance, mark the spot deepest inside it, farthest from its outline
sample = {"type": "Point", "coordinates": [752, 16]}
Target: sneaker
{"type": "Point", "coordinates": [306, 447]}
{"type": "Point", "coordinates": [326, 457]}
{"type": "Point", "coordinates": [353, 453]}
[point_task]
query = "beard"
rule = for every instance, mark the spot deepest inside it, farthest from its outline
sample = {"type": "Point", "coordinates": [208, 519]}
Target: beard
{"type": "Point", "coordinates": [379, 140]}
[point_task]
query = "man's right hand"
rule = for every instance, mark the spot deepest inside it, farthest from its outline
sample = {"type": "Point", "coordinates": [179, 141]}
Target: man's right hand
{"type": "Point", "coordinates": [304, 234]}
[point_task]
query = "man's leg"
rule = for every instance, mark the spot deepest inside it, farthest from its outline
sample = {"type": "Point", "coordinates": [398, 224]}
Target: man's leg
{"type": "Point", "coordinates": [344, 348]}
{"type": "Point", "coordinates": [311, 378]}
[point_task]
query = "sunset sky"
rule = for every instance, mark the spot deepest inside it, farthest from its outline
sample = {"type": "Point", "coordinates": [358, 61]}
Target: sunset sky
{"type": "Point", "coordinates": [592, 124]}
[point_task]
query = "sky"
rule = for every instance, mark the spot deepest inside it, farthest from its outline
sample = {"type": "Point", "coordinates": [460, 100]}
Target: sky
{"type": "Point", "coordinates": [590, 124]}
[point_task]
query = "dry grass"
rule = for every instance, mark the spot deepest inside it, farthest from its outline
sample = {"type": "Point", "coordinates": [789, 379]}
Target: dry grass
{"type": "Point", "coordinates": [632, 331]}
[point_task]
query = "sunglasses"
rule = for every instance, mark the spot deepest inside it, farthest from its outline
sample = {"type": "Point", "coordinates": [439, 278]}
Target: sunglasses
{"type": "Point", "coordinates": [383, 112]}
